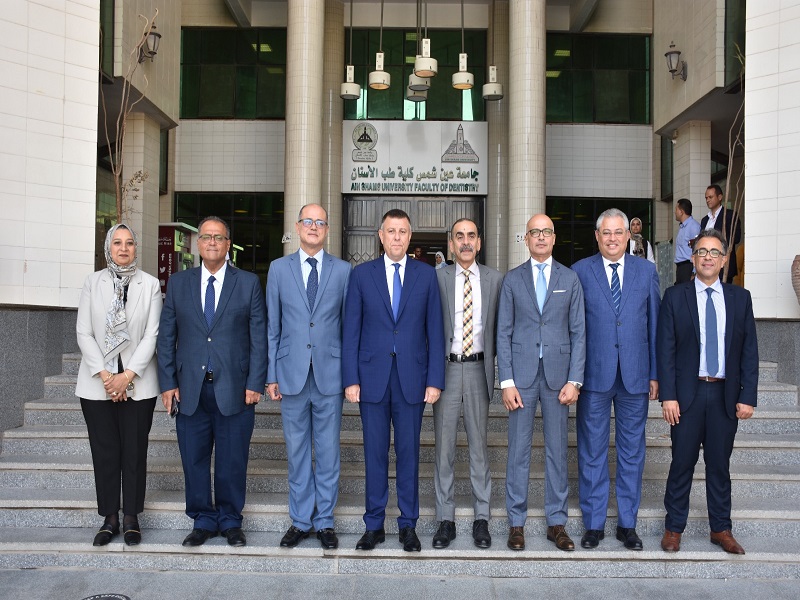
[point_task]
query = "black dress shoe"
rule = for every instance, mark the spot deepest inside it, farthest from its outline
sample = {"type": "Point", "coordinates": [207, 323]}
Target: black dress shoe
{"type": "Point", "coordinates": [627, 535]}
{"type": "Point", "coordinates": [480, 533]}
{"type": "Point", "coordinates": [370, 538]}
{"type": "Point", "coordinates": [131, 534]}
{"type": "Point", "coordinates": [327, 537]}
{"type": "Point", "coordinates": [592, 537]}
{"type": "Point", "coordinates": [409, 539]}
{"type": "Point", "coordinates": [198, 537]}
{"type": "Point", "coordinates": [444, 535]}
{"type": "Point", "coordinates": [235, 537]}
{"type": "Point", "coordinates": [105, 534]}
{"type": "Point", "coordinates": [292, 537]}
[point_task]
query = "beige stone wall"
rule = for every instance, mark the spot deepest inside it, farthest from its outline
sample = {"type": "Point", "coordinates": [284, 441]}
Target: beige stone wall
{"type": "Point", "coordinates": [624, 16]}
{"type": "Point", "coordinates": [205, 13]}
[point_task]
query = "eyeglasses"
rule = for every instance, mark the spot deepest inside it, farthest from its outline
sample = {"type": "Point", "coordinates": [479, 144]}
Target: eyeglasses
{"type": "Point", "coordinates": [309, 222]}
{"type": "Point", "coordinates": [703, 252]}
{"type": "Point", "coordinates": [607, 233]}
{"type": "Point", "coordinates": [537, 232]}
{"type": "Point", "coordinates": [207, 237]}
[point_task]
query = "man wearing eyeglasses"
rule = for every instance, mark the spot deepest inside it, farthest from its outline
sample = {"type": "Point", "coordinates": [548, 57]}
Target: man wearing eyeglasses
{"type": "Point", "coordinates": [708, 372]}
{"type": "Point", "coordinates": [621, 297]}
{"type": "Point", "coordinates": [212, 368]}
{"type": "Point", "coordinates": [305, 304]}
{"type": "Point", "coordinates": [541, 350]}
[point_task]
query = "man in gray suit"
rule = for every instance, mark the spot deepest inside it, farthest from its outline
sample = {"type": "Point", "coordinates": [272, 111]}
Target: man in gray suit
{"type": "Point", "coordinates": [541, 351]}
{"type": "Point", "coordinates": [305, 305]}
{"type": "Point", "coordinates": [469, 293]}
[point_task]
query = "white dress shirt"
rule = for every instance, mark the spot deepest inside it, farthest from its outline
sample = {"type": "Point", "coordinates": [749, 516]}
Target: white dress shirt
{"type": "Point", "coordinates": [305, 268]}
{"type": "Point", "coordinates": [219, 278]}
{"type": "Point", "coordinates": [719, 307]}
{"type": "Point", "coordinates": [477, 322]}
{"type": "Point", "coordinates": [389, 268]}
{"type": "Point", "coordinates": [620, 270]}
{"type": "Point", "coordinates": [712, 220]}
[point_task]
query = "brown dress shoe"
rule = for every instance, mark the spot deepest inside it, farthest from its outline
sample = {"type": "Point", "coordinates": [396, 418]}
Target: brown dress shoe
{"type": "Point", "coordinates": [559, 536]}
{"type": "Point", "coordinates": [727, 541]}
{"type": "Point", "coordinates": [516, 538]}
{"type": "Point", "coordinates": [671, 542]}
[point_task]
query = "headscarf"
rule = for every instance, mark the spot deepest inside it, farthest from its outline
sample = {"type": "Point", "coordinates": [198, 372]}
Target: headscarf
{"type": "Point", "coordinates": [638, 241]}
{"type": "Point", "coordinates": [117, 337]}
{"type": "Point", "coordinates": [442, 264]}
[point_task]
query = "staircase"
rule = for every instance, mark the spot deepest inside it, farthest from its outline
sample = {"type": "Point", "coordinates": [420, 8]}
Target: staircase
{"type": "Point", "coordinates": [48, 514]}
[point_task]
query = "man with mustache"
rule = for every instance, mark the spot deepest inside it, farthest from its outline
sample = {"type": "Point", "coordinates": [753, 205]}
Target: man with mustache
{"type": "Point", "coordinates": [469, 294]}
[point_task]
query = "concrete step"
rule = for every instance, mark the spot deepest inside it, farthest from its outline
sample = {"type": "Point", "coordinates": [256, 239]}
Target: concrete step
{"type": "Point", "coordinates": [766, 558]}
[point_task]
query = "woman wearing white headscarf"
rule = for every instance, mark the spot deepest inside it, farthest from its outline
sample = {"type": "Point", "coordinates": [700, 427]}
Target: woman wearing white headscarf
{"type": "Point", "coordinates": [118, 316]}
{"type": "Point", "coordinates": [440, 261]}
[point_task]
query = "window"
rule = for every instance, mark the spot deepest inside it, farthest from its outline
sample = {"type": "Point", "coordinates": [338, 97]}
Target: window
{"type": "Point", "coordinates": [666, 169]}
{"type": "Point", "coordinates": [593, 78]}
{"type": "Point", "coordinates": [233, 73]}
{"type": "Point", "coordinates": [107, 38]}
{"type": "Point", "coordinates": [734, 43]}
{"type": "Point", "coordinates": [163, 161]}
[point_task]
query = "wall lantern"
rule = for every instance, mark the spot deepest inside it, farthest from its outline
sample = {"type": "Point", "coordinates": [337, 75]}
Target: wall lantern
{"type": "Point", "coordinates": [676, 66]}
{"type": "Point", "coordinates": [150, 47]}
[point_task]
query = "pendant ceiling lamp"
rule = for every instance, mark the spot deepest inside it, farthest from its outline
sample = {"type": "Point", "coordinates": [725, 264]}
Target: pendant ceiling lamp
{"type": "Point", "coordinates": [463, 79]}
{"type": "Point", "coordinates": [415, 82]}
{"type": "Point", "coordinates": [424, 65]}
{"type": "Point", "coordinates": [350, 90]}
{"type": "Point", "coordinates": [493, 90]}
{"type": "Point", "coordinates": [380, 79]}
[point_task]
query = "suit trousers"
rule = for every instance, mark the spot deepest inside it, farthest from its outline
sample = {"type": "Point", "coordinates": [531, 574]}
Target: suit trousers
{"type": "Point", "coordinates": [377, 420]}
{"type": "Point", "coordinates": [312, 418]}
{"type": "Point", "coordinates": [594, 426]}
{"type": "Point", "coordinates": [200, 434]}
{"type": "Point", "coordinates": [118, 439]}
{"type": "Point", "coordinates": [704, 423]}
{"type": "Point", "coordinates": [465, 385]}
{"type": "Point", "coordinates": [520, 438]}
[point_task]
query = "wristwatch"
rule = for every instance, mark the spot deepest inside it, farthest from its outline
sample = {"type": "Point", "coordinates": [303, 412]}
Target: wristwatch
{"type": "Point", "coordinates": [577, 385]}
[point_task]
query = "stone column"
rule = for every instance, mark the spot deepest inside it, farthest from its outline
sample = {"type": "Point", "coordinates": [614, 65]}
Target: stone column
{"type": "Point", "coordinates": [691, 165]}
{"type": "Point", "coordinates": [497, 228]}
{"type": "Point", "coordinates": [303, 162]}
{"type": "Point", "coordinates": [526, 115]}
{"type": "Point", "coordinates": [332, 107]}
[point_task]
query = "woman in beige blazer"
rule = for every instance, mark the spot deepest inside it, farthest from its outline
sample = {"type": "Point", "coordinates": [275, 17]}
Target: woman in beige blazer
{"type": "Point", "coordinates": [118, 317]}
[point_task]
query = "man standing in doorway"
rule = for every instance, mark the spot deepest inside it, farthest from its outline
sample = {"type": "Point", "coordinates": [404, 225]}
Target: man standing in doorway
{"type": "Point", "coordinates": [719, 215]}
{"type": "Point", "coordinates": [687, 231]}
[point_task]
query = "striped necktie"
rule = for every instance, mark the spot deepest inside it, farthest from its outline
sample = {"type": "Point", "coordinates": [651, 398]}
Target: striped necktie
{"type": "Point", "coordinates": [467, 323]}
{"type": "Point", "coordinates": [616, 289]}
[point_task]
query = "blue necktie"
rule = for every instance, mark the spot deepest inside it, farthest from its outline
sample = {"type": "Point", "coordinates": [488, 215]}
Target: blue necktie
{"type": "Point", "coordinates": [313, 282]}
{"type": "Point", "coordinates": [616, 289]}
{"type": "Point", "coordinates": [397, 289]}
{"type": "Point", "coordinates": [712, 345]}
{"type": "Point", "coordinates": [208, 311]}
{"type": "Point", "coordinates": [541, 294]}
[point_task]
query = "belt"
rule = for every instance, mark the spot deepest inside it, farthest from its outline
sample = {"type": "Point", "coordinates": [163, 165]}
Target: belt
{"type": "Point", "coordinates": [209, 376]}
{"type": "Point", "coordinates": [711, 379]}
{"type": "Point", "coordinates": [462, 358]}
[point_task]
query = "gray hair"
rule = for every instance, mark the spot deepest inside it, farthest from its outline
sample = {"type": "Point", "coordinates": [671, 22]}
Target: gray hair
{"type": "Point", "coordinates": [305, 206]}
{"type": "Point", "coordinates": [612, 213]}
{"type": "Point", "coordinates": [712, 233]}
{"type": "Point", "coordinates": [218, 220]}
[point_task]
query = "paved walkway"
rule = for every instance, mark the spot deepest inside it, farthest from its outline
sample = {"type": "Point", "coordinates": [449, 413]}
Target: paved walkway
{"type": "Point", "coordinates": [65, 584]}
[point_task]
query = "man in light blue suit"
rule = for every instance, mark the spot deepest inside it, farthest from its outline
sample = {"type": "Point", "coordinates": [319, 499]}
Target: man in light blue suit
{"type": "Point", "coordinates": [621, 296]}
{"type": "Point", "coordinates": [212, 360]}
{"type": "Point", "coordinates": [393, 364]}
{"type": "Point", "coordinates": [305, 304]}
{"type": "Point", "coordinates": [541, 348]}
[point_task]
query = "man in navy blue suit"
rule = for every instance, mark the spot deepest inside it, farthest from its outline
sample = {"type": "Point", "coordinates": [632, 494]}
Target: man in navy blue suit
{"type": "Point", "coordinates": [212, 360]}
{"type": "Point", "coordinates": [721, 219]}
{"type": "Point", "coordinates": [621, 297]}
{"type": "Point", "coordinates": [708, 371]}
{"type": "Point", "coordinates": [393, 365]}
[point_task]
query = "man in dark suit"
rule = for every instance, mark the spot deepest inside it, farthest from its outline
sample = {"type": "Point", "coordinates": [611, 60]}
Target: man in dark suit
{"type": "Point", "coordinates": [621, 296]}
{"type": "Point", "coordinates": [305, 305]}
{"type": "Point", "coordinates": [717, 214]}
{"type": "Point", "coordinates": [393, 364]}
{"type": "Point", "coordinates": [469, 294]}
{"type": "Point", "coordinates": [212, 360]}
{"type": "Point", "coordinates": [708, 371]}
{"type": "Point", "coordinates": [541, 349]}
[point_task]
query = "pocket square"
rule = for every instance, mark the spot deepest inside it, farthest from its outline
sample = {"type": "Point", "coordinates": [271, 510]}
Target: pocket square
{"type": "Point", "coordinates": [559, 291]}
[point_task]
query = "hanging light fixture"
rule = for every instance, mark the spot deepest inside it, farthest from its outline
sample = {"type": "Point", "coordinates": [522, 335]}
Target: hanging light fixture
{"type": "Point", "coordinates": [416, 95]}
{"type": "Point", "coordinates": [493, 90]}
{"type": "Point", "coordinates": [424, 65]}
{"type": "Point", "coordinates": [380, 79]}
{"type": "Point", "coordinates": [350, 90]}
{"type": "Point", "coordinates": [415, 82]}
{"type": "Point", "coordinates": [463, 79]}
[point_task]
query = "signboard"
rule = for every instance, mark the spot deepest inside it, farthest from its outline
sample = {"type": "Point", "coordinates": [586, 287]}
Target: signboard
{"type": "Point", "coordinates": [415, 158]}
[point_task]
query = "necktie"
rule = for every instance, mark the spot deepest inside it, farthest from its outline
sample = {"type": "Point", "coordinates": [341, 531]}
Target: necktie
{"type": "Point", "coordinates": [313, 282]}
{"type": "Point", "coordinates": [397, 289]}
{"type": "Point", "coordinates": [616, 289]}
{"type": "Point", "coordinates": [712, 346]}
{"type": "Point", "coordinates": [208, 311]}
{"type": "Point", "coordinates": [467, 327]}
{"type": "Point", "coordinates": [541, 287]}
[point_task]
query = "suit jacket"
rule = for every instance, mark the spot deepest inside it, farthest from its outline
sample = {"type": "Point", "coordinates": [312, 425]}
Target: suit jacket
{"type": "Point", "coordinates": [371, 335]}
{"type": "Point", "coordinates": [491, 280]}
{"type": "Point", "coordinates": [236, 340]}
{"type": "Point", "coordinates": [559, 328]}
{"type": "Point", "coordinates": [627, 340]}
{"type": "Point", "coordinates": [142, 311]}
{"type": "Point", "coordinates": [733, 237]}
{"type": "Point", "coordinates": [679, 347]}
{"type": "Point", "coordinates": [296, 334]}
